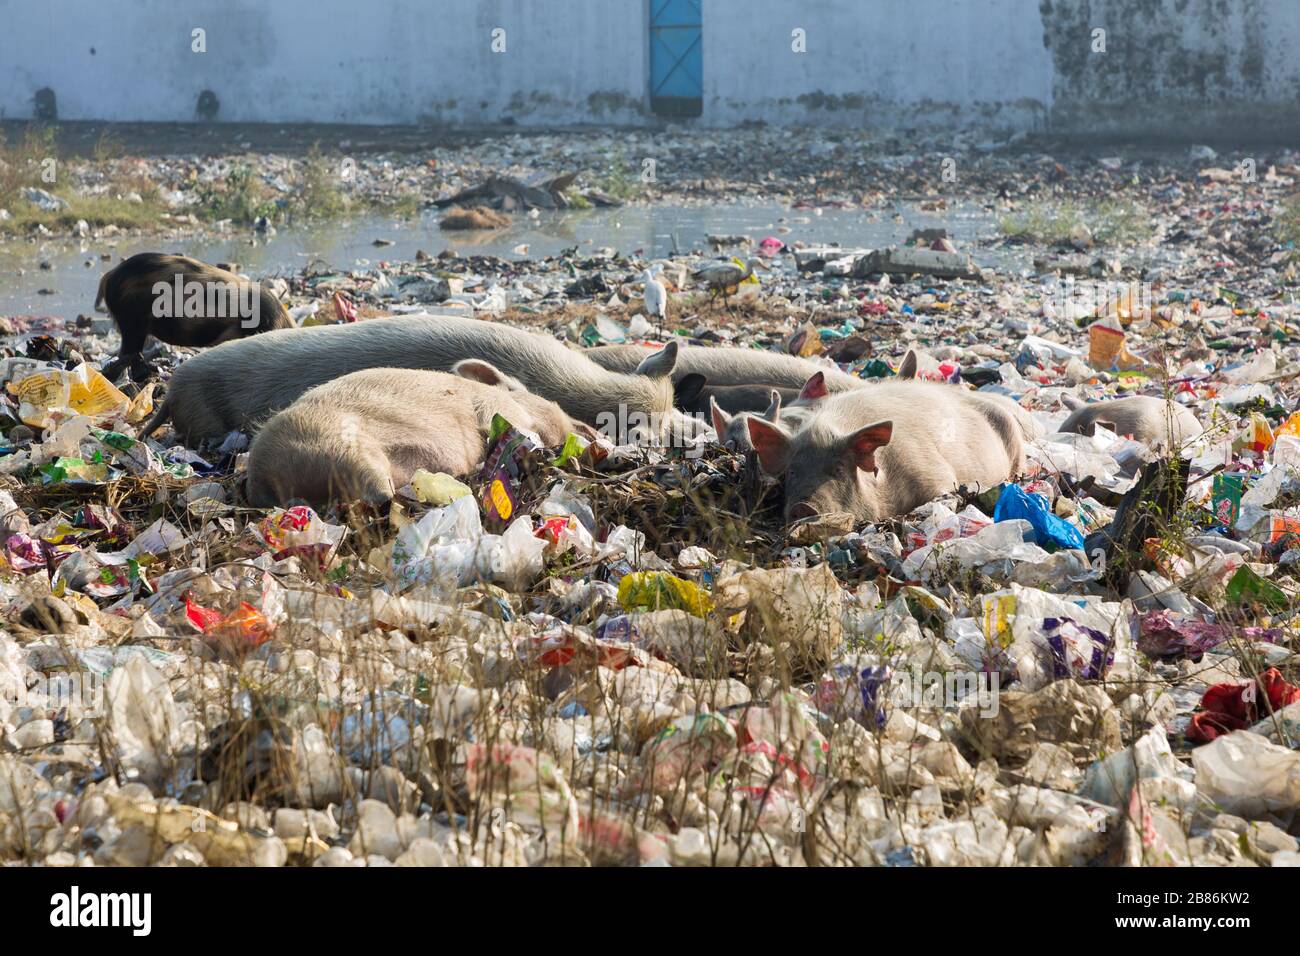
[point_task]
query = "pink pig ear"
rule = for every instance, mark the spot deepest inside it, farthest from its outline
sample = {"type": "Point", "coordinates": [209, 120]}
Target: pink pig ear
{"type": "Point", "coordinates": [720, 418]}
{"type": "Point", "coordinates": [771, 443]}
{"type": "Point", "coordinates": [815, 387]}
{"type": "Point", "coordinates": [862, 444]}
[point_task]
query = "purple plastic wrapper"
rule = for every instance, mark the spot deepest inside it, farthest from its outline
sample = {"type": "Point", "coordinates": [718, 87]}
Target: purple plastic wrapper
{"type": "Point", "coordinates": [1101, 656]}
{"type": "Point", "coordinates": [1165, 634]}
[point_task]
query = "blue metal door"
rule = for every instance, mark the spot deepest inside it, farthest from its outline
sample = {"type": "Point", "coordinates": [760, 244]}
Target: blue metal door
{"type": "Point", "coordinates": [676, 58]}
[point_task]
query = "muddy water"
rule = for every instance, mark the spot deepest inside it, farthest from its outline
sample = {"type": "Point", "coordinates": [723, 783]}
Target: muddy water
{"type": "Point", "coordinates": [69, 286]}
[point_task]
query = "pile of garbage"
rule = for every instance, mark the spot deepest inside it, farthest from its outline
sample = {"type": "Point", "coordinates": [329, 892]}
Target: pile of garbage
{"type": "Point", "coordinates": [626, 658]}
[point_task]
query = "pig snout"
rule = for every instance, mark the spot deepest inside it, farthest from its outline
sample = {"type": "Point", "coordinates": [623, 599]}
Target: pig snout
{"type": "Point", "coordinates": [801, 510]}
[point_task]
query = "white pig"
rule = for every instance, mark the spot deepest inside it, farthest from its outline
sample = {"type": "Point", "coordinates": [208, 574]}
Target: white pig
{"type": "Point", "coordinates": [1152, 421]}
{"type": "Point", "coordinates": [880, 452]}
{"type": "Point", "coordinates": [363, 435]}
{"type": "Point", "coordinates": [233, 387]}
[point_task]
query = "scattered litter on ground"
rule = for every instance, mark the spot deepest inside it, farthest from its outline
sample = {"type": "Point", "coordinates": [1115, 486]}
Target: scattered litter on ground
{"type": "Point", "coordinates": [623, 656]}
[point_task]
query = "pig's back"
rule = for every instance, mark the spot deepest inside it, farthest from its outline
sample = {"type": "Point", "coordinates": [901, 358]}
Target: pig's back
{"type": "Point", "coordinates": [1147, 418]}
{"type": "Point", "coordinates": [239, 383]}
{"type": "Point", "coordinates": [724, 366]}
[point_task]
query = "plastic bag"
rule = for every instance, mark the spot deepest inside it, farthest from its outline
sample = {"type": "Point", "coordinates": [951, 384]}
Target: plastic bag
{"type": "Point", "coordinates": [46, 398]}
{"type": "Point", "coordinates": [654, 590]}
{"type": "Point", "coordinates": [1111, 779]}
{"type": "Point", "coordinates": [1014, 502]}
{"type": "Point", "coordinates": [298, 530]}
{"type": "Point", "coordinates": [143, 717]}
{"type": "Point", "coordinates": [1244, 774]}
{"type": "Point", "coordinates": [437, 489]}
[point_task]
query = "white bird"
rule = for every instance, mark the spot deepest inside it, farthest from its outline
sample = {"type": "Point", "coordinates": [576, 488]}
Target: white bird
{"type": "Point", "coordinates": [656, 296]}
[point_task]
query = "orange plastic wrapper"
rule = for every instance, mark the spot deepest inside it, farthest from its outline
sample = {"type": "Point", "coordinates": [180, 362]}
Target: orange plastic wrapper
{"type": "Point", "coordinates": [1289, 427]}
{"type": "Point", "coordinates": [1104, 345]}
{"type": "Point", "coordinates": [246, 624]}
{"type": "Point", "coordinates": [1261, 436]}
{"type": "Point", "coordinates": [1280, 526]}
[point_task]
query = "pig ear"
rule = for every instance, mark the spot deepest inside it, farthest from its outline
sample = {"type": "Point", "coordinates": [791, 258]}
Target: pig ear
{"type": "Point", "coordinates": [907, 367]}
{"type": "Point", "coordinates": [1072, 403]}
{"type": "Point", "coordinates": [720, 418]}
{"type": "Point", "coordinates": [862, 444]}
{"type": "Point", "coordinates": [772, 443]}
{"type": "Point", "coordinates": [815, 387]}
{"type": "Point", "coordinates": [477, 370]}
{"type": "Point", "coordinates": [687, 391]}
{"type": "Point", "coordinates": [661, 363]}
{"type": "Point", "coordinates": [1102, 423]}
{"type": "Point", "coordinates": [773, 413]}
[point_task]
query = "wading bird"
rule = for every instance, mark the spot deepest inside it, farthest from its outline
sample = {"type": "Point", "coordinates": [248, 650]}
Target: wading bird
{"type": "Point", "coordinates": [723, 278]}
{"type": "Point", "coordinates": [656, 296]}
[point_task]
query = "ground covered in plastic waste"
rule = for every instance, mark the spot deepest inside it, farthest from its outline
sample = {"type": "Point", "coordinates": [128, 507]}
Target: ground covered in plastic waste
{"type": "Point", "coordinates": [620, 660]}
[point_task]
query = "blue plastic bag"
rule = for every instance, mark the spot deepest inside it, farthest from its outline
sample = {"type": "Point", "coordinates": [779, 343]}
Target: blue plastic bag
{"type": "Point", "coordinates": [1048, 528]}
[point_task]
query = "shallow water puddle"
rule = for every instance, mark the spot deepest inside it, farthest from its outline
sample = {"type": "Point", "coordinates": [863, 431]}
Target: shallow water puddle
{"type": "Point", "coordinates": [646, 230]}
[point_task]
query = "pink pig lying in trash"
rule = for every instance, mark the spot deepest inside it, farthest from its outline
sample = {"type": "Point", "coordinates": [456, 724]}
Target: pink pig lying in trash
{"type": "Point", "coordinates": [880, 452]}
{"type": "Point", "coordinates": [1152, 421]}
{"type": "Point", "coordinates": [235, 387]}
{"type": "Point", "coordinates": [363, 435]}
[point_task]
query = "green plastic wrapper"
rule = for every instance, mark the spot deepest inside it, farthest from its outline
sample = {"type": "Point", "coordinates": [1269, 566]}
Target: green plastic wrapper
{"type": "Point", "coordinates": [1247, 587]}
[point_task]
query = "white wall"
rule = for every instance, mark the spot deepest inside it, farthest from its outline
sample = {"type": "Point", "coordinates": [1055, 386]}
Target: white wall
{"type": "Point", "coordinates": [355, 61]}
{"type": "Point", "coordinates": [890, 63]}
{"type": "Point", "coordinates": [1173, 67]}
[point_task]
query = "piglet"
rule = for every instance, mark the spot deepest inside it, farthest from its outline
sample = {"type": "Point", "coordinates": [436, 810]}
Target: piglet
{"type": "Point", "coordinates": [363, 435]}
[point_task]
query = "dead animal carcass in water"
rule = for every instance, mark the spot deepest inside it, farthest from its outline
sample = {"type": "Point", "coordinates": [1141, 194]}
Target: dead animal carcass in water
{"type": "Point", "coordinates": [508, 194]}
{"type": "Point", "coordinates": [475, 217]}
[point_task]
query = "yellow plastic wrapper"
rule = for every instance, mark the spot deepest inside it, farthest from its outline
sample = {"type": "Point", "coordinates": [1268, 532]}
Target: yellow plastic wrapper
{"type": "Point", "coordinates": [1261, 436]}
{"type": "Point", "coordinates": [142, 405]}
{"type": "Point", "coordinates": [655, 591]}
{"type": "Point", "coordinates": [46, 398]}
{"type": "Point", "coordinates": [999, 609]}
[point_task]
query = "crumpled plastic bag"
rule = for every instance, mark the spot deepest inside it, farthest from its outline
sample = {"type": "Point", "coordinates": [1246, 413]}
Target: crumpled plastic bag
{"type": "Point", "coordinates": [994, 550]}
{"type": "Point", "coordinates": [1078, 717]}
{"type": "Point", "coordinates": [684, 749]}
{"type": "Point", "coordinates": [1166, 634]}
{"type": "Point", "coordinates": [1111, 779]}
{"type": "Point", "coordinates": [1245, 774]}
{"type": "Point", "coordinates": [655, 590]}
{"type": "Point", "coordinates": [448, 546]}
{"type": "Point", "coordinates": [298, 531]}
{"type": "Point", "coordinates": [46, 398]}
{"type": "Point", "coordinates": [526, 780]}
{"type": "Point", "coordinates": [143, 717]}
{"type": "Point", "coordinates": [1039, 637]}
{"type": "Point", "coordinates": [1228, 707]}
